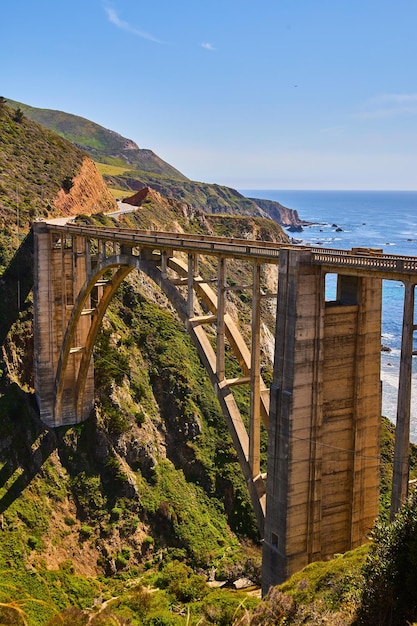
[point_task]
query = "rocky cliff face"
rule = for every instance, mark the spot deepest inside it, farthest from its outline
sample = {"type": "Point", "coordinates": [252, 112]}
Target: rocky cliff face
{"type": "Point", "coordinates": [88, 193]}
{"type": "Point", "coordinates": [279, 213]}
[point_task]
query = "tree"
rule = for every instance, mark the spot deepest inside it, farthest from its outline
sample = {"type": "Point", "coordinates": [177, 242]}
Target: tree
{"type": "Point", "coordinates": [18, 115]}
{"type": "Point", "coordinates": [67, 183]}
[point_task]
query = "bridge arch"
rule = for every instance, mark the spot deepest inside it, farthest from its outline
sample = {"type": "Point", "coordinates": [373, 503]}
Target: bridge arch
{"type": "Point", "coordinates": [94, 280]}
{"type": "Point", "coordinates": [122, 265]}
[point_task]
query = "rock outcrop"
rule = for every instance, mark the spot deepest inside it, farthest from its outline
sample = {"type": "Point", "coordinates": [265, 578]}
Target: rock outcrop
{"type": "Point", "coordinates": [280, 214]}
{"type": "Point", "coordinates": [88, 193]}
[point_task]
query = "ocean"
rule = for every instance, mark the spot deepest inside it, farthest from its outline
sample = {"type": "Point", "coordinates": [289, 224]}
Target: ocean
{"type": "Point", "coordinates": [371, 219]}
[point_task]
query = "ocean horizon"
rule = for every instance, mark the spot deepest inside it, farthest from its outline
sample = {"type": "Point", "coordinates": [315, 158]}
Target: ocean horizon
{"type": "Point", "coordinates": [385, 220]}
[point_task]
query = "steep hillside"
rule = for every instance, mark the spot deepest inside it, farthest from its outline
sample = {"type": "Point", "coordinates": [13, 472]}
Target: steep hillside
{"type": "Point", "coordinates": [41, 175]}
{"type": "Point", "coordinates": [103, 145]}
{"type": "Point", "coordinates": [279, 213]}
{"type": "Point", "coordinates": [127, 168]}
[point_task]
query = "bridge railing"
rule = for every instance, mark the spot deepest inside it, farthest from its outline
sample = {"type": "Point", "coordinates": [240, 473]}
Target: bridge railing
{"type": "Point", "coordinates": [268, 251]}
{"type": "Point", "coordinates": [358, 258]}
{"type": "Point", "coordinates": [383, 263]}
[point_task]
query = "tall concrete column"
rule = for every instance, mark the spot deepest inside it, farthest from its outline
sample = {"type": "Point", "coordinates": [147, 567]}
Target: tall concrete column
{"type": "Point", "coordinates": [255, 376]}
{"type": "Point", "coordinates": [192, 272]}
{"type": "Point", "coordinates": [402, 431]}
{"type": "Point", "coordinates": [61, 265]}
{"type": "Point", "coordinates": [291, 491]}
{"type": "Point", "coordinates": [221, 309]}
{"type": "Point", "coordinates": [45, 354]}
{"type": "Point", "coordinates": [324, 426]}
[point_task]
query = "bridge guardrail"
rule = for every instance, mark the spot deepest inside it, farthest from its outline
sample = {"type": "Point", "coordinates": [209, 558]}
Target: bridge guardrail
{"type": "Point", "coordinates": [384, 263]}
{"type": "Point", "coordinates": [360, 258]}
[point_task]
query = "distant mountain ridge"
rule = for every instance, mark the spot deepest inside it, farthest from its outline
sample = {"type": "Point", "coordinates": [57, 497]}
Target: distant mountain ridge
{"type": "Point", "coordinates": [102, 144]}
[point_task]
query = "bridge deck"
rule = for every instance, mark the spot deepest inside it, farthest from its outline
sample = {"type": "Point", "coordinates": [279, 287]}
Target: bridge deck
{"type": "Point", "coordinates": [357, 260]}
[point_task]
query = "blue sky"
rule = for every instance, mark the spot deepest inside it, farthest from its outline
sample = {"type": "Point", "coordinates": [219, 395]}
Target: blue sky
{"type": "Point", "coordinates": [277, 94]}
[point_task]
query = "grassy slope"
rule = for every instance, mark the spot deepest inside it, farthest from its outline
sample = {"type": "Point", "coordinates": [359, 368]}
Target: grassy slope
{"type": "Point", "coordinates": [100, 143]}
{"type": "Point", "coordinates": [34, 163]}
{"type": "Point", "coordinates": [203, 196]}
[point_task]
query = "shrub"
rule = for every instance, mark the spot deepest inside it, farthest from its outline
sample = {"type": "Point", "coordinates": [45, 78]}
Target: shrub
{"type": "Point", "coordinates": [389, 595]}
{"type": "Point", "coordinates": [34, 543]}
{"type": "Point", "coordinates": [276, 606]}
{"type": "Point", "coordinates": [180, 581]}
{"type": "Point", "coordinates": [85, 532]}
{"type": "Point", "coordinates": [116, 513]}
{"type": "Point", "coordinates": [87, 491]}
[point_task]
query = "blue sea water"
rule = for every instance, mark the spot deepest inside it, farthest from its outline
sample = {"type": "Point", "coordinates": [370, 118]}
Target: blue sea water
{"type": "Point", "coordinates": [372, 219]}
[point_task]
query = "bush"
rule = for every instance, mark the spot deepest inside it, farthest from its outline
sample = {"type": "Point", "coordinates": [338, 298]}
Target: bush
{"type": "Point", "coordinates": [389, 596]}
{"type": "Point", "coordinates": [87, 490]}
{"type": "Point", "coordinates": [67, 184]}
{"type": "Point", "coordinates": [180, 581]}
{"type": "Point", "coordinates": [116, 513]}
{"type": "Point", "coordinates": [276, 606]}
{"type": "Point", "coordinates": [85, 532]}
{"type": "Point", "coordinates": [120, 562]}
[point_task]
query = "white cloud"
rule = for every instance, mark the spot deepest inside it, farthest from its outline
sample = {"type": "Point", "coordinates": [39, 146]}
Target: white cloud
{"type": "Point", "coordinates": [207, 46]}
{"type": "Point", "coordinates": [114, 19]}
{"type": "Point", "coordinates": [399, 98]}
{"type": "Point", "coordinates": [390, 105]}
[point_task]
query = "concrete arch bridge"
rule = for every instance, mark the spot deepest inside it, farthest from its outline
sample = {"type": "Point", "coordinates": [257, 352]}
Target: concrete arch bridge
{"type": "Point", "coordinates": [323, 410]}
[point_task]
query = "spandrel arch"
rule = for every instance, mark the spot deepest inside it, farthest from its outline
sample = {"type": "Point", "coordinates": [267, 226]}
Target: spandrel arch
{"type": "Point", "coordinates": [80, 310]}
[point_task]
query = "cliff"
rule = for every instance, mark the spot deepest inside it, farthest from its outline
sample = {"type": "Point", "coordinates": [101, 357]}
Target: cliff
{"type": "Point", "coordinates": [86, 193]}
{"type": "Point", "coordinates": [279, 213]}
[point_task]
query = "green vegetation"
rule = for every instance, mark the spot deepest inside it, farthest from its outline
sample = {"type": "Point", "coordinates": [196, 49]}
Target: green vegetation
{"type": "Point", "coordinates": [34, 165]}
{"type": "Point", "coordinates": [127, 168]}
{"type": "Point", "coordinates": [121, 519]}
{"type": "Point", "coordinates": [205, 197]}
{"type": "Point", "coordinates": [387, 454]}
{"type": "Point", "coordinates": [97, 141]}
{"type": "Point", "coordinates": [390, 593]}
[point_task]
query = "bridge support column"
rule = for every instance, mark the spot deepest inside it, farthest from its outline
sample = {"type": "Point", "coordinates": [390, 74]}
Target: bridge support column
{"type": "Point", "coordinates": [221, 308]}
{"type": "Point", "coordinates": [324, 423]}
{"type": "Point", "coordinates": [192, 273]}
{"type": "Point", "coordinates": [60, 270]}
{"type": "Point", "coordinates": [255, 376]}
{"type": "Point", "coordinates": [402, 431]}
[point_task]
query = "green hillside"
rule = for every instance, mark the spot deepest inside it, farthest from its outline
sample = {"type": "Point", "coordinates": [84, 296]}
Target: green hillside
{"type": "Point", "coordinates": [34, 165]}
{"type": "Point", "coordinates": [103, 145]}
